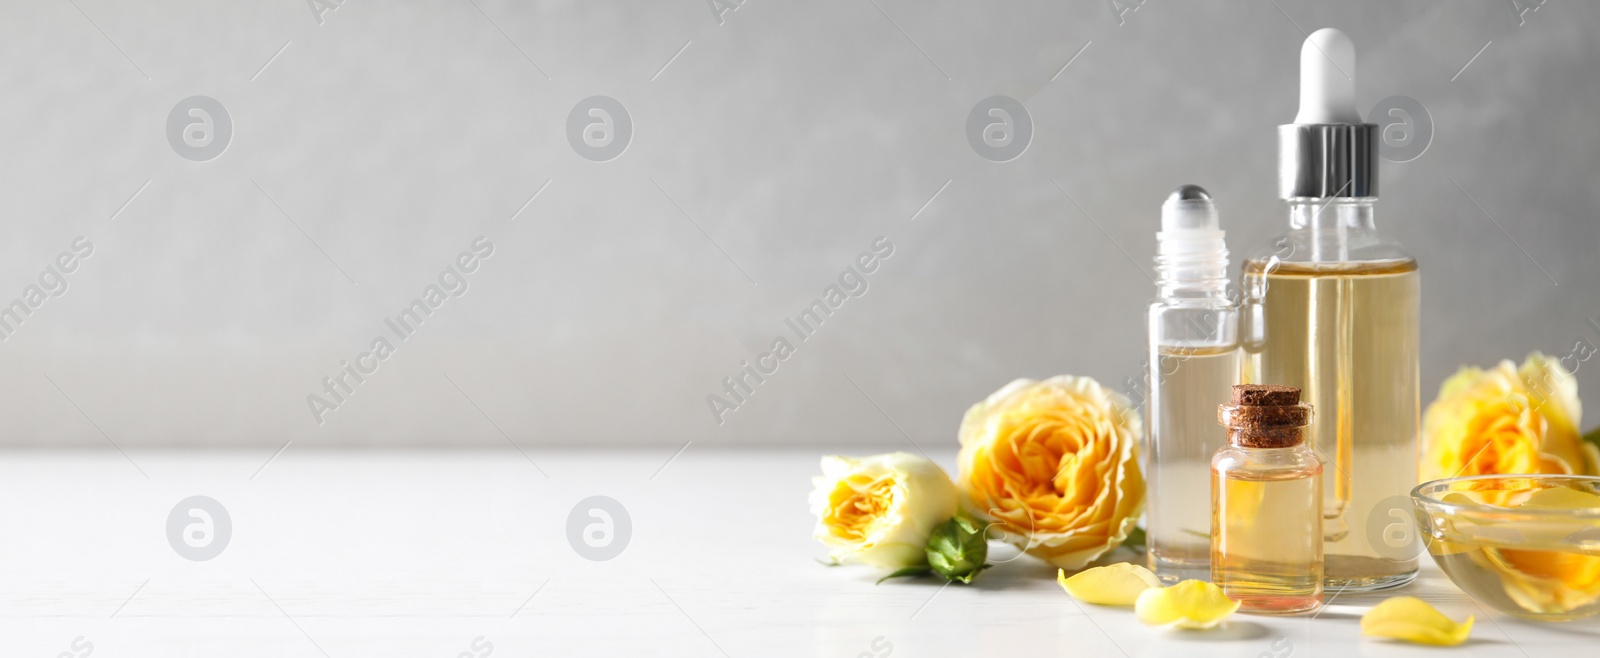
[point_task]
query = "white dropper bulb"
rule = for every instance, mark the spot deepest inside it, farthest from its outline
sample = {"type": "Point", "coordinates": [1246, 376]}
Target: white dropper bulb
{"type": "Point", "coordinates": [1327, 79]}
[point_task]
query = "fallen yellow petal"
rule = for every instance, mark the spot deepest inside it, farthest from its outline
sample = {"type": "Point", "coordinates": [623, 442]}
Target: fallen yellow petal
{"type": "Point", "coordinates": [1115, 584]}
{"type": "Point", "coordinates": [1192, 604]}
{"type": "Point", "coordinates": [1562, 498]}
{"type": "Point", "coordinates": [1413, 620]}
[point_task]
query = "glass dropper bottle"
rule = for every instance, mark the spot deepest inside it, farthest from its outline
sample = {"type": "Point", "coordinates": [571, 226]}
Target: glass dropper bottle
{"type": "Point", "coordinates": [1333, 307]}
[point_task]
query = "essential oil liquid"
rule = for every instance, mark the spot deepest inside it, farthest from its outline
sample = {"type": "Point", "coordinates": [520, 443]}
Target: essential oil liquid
{"type": "Point", "coordinates": [1265, 552]}
{"type": "Point", "coordinates": [1547, 582]}
{"type": "Point", "coordinates": [1347, 334]}
{"type": "Point", "coordinates": [1184, 435]}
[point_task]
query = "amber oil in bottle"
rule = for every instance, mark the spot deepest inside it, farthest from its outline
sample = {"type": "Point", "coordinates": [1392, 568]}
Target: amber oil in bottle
{"type": "Point", "coordinates": [1266, 503]}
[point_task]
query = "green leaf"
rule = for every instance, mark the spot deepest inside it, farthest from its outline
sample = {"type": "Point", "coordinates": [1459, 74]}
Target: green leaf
{"type": "Point", "coordinates": [1135, 538]}
{"type": "Point", "coordinates": [919, 570]}
{"type": "Point", "coordinates": [1593, 437]}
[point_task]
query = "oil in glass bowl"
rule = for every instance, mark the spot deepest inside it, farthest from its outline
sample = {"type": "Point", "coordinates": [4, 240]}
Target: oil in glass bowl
{"type": "Point", "coordinates": [1526, 545]}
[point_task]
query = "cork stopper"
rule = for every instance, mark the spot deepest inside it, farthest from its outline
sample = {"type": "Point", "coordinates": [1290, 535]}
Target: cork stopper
{"type": "Point", "coordinates": [1262, 416]}
{"type": "Point", "coordinates": [1265, 395]}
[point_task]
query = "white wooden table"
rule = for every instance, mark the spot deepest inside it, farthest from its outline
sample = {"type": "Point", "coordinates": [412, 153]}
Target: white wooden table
{"type": "Point", "coordinates": [449, 554]}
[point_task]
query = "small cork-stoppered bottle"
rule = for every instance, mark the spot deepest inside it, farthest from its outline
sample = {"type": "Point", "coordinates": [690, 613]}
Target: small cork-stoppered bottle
{"type": "Point", "coordinates": [1266, 503]}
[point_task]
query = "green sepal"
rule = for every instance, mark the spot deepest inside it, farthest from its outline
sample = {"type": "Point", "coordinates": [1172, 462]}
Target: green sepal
{"type": "Point", "coordinates": [957, 550]}
{"type": "Point", "coordinates": [967, 579]}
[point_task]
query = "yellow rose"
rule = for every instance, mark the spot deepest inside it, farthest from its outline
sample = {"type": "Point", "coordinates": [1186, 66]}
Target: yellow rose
{"type": "Point", "coordinates": [1553, 393]}
{"type": "Point", "coordinates": [1054, 464]}
{"type": "Point", "coordinates": [1503, 420]}
{"type": "Point", "coordinates": [880, 510]}
{"type": "Point", "coordinates": [1548, 581]}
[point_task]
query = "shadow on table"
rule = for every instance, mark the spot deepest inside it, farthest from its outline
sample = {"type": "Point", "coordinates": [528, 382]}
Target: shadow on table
{"type": "Point", "coordinates": [1233, 630]}
{"type": "Point", "coordinates": [1576, 628]}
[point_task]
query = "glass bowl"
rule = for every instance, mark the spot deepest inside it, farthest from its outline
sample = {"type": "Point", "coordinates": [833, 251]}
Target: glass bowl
{"type": "Point", "coordinates": [1526, 545]}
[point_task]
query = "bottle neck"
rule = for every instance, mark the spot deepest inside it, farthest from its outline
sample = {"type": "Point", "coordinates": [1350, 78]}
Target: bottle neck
{"type": "Point", "coordinates": [1330, 222]}
{"type": "Point", "coordinates": [1192, 273]}
{"type": "Point", "coordinates": [1206, 289]}
{"type": "Point", "coordinates": [1330, 213]}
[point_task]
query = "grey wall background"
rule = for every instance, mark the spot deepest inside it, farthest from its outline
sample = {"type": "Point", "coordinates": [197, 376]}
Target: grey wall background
{"type": "Point", "coordinates": [771, 150]}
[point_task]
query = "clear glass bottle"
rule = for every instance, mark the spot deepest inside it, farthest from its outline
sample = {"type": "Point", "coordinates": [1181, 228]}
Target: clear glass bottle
{"type": "Point", "coordinates": [1193, 361]}
{"type": "Point", "coordinates": [1333, 307]}
{"type": "Point", "coordinates": [1266, 500]}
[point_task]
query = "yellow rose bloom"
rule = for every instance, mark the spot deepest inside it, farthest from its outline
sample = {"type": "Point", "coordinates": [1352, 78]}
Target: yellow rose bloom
{"type": "Point", "coordinates": [1054, 465]}
{"type": "Point", "coordinates": [1553, 393]}
{"type": "Point", "coordinates": [1548, 581]}
{"type": "Point", "coordinates": [880, 510]}
{"type": "Point", "coordinates": [1504, 420]}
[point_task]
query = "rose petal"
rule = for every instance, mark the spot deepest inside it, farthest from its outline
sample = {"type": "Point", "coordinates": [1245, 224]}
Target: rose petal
{"type": "Point", "coordinates": [1115, 584]}
{"type": "Point", "coordinates": [1413, 620]}
{"type": "Point", "coordinates": [1194, 604]}
{"type": "Point", "coordinates": [1562, 498]}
